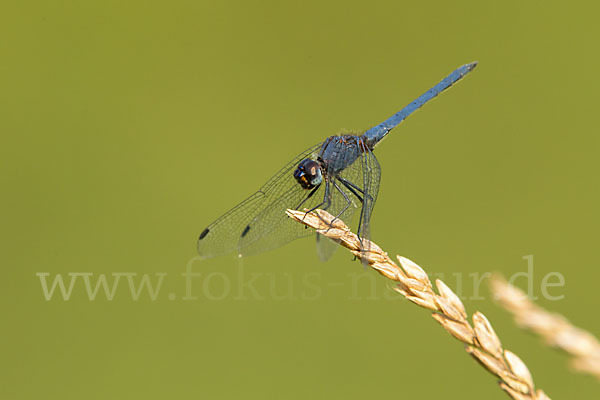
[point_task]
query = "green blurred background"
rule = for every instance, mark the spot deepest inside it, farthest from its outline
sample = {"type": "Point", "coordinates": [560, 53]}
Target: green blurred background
{"type": "Point", "coordinates": [128, 126]}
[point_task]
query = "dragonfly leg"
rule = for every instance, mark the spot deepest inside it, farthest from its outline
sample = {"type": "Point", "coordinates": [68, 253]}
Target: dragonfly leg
{"type": "Point", "coordinates": [307, 197]}
{"type": "Point", "coordinates": [326, 200]}
{"type": "Point", "coordinates": [348, 183]}
{"type": "Point", "coordinates": [348, 202]}
{"type": "Point", "coordinates": [353, 189]}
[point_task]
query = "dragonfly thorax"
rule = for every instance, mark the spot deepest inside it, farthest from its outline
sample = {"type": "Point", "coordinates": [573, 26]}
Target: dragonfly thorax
{"type": "Point", "coordinates": [308, 174]}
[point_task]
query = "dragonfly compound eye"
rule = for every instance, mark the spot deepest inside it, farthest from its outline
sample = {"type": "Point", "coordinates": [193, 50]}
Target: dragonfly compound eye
{"type": "Point", "coordinates": [308, 174]}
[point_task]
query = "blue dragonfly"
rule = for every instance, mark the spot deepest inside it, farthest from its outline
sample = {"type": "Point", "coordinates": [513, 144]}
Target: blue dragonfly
{"type": "Point", "coordinates": [340, 175]}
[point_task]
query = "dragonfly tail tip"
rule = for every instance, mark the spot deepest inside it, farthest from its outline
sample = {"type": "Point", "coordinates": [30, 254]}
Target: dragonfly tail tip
{"type": "Point", "coordinates": [471, 66]}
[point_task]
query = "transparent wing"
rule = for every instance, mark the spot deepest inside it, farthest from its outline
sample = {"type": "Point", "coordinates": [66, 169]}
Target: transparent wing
{"type": "Point", "coordinates": [325, 247]}
{"type": "Point", "coordinates": [271, 228]}
{"type": "Point", "coordinates": [371, 178]}
{"type": "Point", "coordinates": [259, 223]}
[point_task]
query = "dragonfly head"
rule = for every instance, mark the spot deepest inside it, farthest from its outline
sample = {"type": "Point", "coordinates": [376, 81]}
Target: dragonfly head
{"type": "Point", "coordinates": [308, 174]}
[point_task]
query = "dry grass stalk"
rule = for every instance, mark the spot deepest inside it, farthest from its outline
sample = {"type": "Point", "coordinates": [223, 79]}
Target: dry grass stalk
{"type": "Point", "coordinates": [555, 329]}
{"type": "Point", "coordinates": [413, 283]}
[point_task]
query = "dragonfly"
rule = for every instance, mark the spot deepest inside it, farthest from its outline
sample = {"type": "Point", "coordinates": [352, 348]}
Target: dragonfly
{"type": "Point", "coordinates": [339, 175]}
